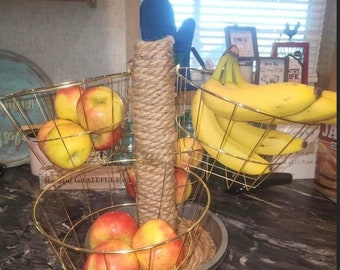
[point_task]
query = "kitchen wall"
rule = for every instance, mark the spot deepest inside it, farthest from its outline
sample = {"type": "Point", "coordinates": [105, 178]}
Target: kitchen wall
{"type": "Point", "coordinates": [69, 40]}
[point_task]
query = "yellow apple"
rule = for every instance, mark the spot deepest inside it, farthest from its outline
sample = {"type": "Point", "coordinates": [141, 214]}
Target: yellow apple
{"type": "Point", "coordinates": [46, 127]}
{"type": "Point", "coordinates": [65, 102]}
{"type": "Point", "coordinates": [183, 185]}
{"type": "Point", "coordinates": [100, 109]}
{"type": "Point", "coordinates": [163, 257]}
{"type": "Point", "coordinates": [67, 145]}
{"type": "Point", "coordinates": [189, 152]}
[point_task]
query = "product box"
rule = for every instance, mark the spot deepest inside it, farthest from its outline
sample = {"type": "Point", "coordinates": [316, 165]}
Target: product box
{"type": "Point", "coordinates": [99, 178]}
{"type": "Point", "coordinates": [301, 164]}
{"type": "Point", "coordinates": [326, 162]}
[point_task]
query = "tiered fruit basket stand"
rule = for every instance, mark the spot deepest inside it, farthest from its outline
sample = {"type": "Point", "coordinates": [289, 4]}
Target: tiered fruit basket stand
{"type": "Point", "coordinates": [159, 110]}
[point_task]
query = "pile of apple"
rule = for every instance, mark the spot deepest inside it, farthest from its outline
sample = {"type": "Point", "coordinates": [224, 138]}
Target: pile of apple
{"type": "Point", "coordinates": [87, 120]}
{"type": "Point", "coordinates": [118, 231]}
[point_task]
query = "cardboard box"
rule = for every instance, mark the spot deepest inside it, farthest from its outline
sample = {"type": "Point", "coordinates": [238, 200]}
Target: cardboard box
{"type": "Point", "coordinates": [301, 164]}
{"type": "Point", "coordinates": [96, 178]}
{"type": "Point", "coordinates": [326, 162]}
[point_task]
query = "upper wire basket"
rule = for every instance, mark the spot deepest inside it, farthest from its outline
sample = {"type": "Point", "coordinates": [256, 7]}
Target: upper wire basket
{"type": "Point", "coordinates": [30, 109]}
{"type": "Point", "coordinates": [241, 154]}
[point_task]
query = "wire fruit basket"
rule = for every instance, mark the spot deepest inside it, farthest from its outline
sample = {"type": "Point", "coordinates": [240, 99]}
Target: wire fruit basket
{"type": "Point", "coordinates": [242, 153]}
{"type": "Point", "coordinates": [30, 111]}
{"type": "Point", "coordinates": [64, 218]}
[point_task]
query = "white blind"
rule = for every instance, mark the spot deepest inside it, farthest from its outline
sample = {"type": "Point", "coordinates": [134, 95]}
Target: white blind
{"type": "Point", "coordinates": [268, 16]}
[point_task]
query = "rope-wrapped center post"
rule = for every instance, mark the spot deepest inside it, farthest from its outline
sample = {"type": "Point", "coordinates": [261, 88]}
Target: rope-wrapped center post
{"type": "Point", "coordinates": [153, 112]}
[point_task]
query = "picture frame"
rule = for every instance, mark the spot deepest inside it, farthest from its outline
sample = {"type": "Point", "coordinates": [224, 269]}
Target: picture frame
{"type": "Point", "coordinates": [244, 37]}
{"type": "Point", "coordinates": [271, 70]}
{"type": "Point", "coordinates": [295, 70]}
{"type": "Point", "coordinates": [290, 49]}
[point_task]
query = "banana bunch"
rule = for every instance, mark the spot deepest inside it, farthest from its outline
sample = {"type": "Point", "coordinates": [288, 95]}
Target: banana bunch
{"type": "Point", "coordinates": [226, 150]}
{"type": "Point", "coordinates": [230, 96]}
{"type": "Point", "coordinates": [231, 116]}
{"type": "Point", "coordinates": [264, 141]}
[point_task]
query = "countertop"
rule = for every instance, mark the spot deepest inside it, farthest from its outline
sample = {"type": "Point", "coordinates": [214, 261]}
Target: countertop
{"type": "Point", "coordinates": [289, 226]}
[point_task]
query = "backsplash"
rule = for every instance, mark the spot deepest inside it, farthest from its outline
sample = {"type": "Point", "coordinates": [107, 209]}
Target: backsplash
{"type": "Point", "coordinates": [69, 40]}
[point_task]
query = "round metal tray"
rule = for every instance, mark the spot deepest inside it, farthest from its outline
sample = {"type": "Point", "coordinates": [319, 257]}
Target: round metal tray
{"type": "Point", "coordinates": [16, 74]}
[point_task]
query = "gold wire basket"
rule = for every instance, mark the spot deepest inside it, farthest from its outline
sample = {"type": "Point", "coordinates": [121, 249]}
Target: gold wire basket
{"type": "Point", "coordinates": [65, 216]}
{"type": "Point", "coordinates": [210, 165]}
{"type": "Point", "coordinates": [28, 110]}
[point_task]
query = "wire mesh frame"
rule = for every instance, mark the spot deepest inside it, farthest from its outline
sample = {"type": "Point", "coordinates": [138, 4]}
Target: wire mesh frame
{"type": "Point", "coordinates": [29, 109]}
{"type": "Point", "coordinates": [64, 216]}
{"type": "Point", "coordinates": [210, 166]}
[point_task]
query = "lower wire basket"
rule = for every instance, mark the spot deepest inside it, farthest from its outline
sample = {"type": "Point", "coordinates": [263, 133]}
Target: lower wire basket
{"type": "Point", "coordinates": [64, 217]}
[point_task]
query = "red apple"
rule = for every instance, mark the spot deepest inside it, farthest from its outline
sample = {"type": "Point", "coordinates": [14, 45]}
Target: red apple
{"type": "Point", "coordinates": [165, 256]}
{"type": "Point", "coordinates": [46, 127]}
{"type": "Point", "coordinates": [112, 225]}
{"type": "Point", "coordinates": [106, 140]}
{"type": "Point", "coordinates": [112, 261]}
{"type": "Point", "coordinates": [65, 102]}
{"type": "Point", "coordinates": [183, 185]}
{"type": "Point", "coordinates": [189, 152]}
{"type": "Point", "coordinates": [131, 182]}
{"type": "Point", "coordinates": [100, 109]}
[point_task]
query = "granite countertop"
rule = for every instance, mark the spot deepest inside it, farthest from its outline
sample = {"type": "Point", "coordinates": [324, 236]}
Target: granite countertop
{"type": "Point", "coordinates": [289, 226]}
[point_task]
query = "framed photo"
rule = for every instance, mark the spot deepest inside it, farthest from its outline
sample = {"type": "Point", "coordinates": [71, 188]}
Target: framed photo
{"type": "Point", "coordinates": [271, 70]}
{"type": "Point", "coordinates": [245, 39]}
{"type": "Point", "coordinates": [298, 53]}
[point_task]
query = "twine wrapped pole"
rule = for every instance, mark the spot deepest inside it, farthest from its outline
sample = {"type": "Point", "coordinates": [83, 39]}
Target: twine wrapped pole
{"type": "Point", "coordinates": [153, 112]}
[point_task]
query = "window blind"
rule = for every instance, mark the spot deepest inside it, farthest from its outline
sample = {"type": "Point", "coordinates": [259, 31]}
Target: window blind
{"type": "Point", "coordinates": [267, 16]}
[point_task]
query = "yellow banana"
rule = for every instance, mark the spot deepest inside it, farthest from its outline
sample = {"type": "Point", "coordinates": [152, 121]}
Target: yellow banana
{"type": "Point", "coordinates": [238, 77]}
{"type": "Point", "coordinates": [323, 109]}
{"type": "Point", "coordinates": [329, 94]}
{"type": "Point", "coordinates": [331, 121]}
{"type": "Point", "coordinates": [264, 101]}
{"type": "Point", "coordinates": [217, 74]}
{"type": "Point", "coordinates": [227, 77]}
{"type": "Point", "coordinates": [224, 149]}
{"type": "Point", "coordinates": [263, 141]}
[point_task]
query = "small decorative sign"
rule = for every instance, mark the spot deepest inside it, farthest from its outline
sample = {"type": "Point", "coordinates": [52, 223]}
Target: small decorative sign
{"type": "Point", "coordinates": [294, 70]}
{"type": "Point", "coordinates": [244, 38]}
{"type": "Point", "coordinates": [271, 70]}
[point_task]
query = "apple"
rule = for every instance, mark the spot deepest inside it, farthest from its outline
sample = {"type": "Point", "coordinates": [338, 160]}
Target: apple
{"type": "Point", "coordinates": [67, 145]}
{"type": "Point", "coordinates": [119, 260]}
{"type": "Point", "coordinates": [65, 102]}
{"type": "Point", "coordinates": [106, 140]}
{"type": "Point", "coordinates": [46, 127]}
{"type": "Point", "coordinates": [100, 109]}
{"type": "Point", "coordinates": [166, 256]}
{"type": "Point", "coordinates": [189, 152]}
{"type": "Point", "coordinates": [183, 185]}
{"type": "Point", "coordinates": [112, 225]}
{"type": "Point", "coordinates": [131, 182]}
